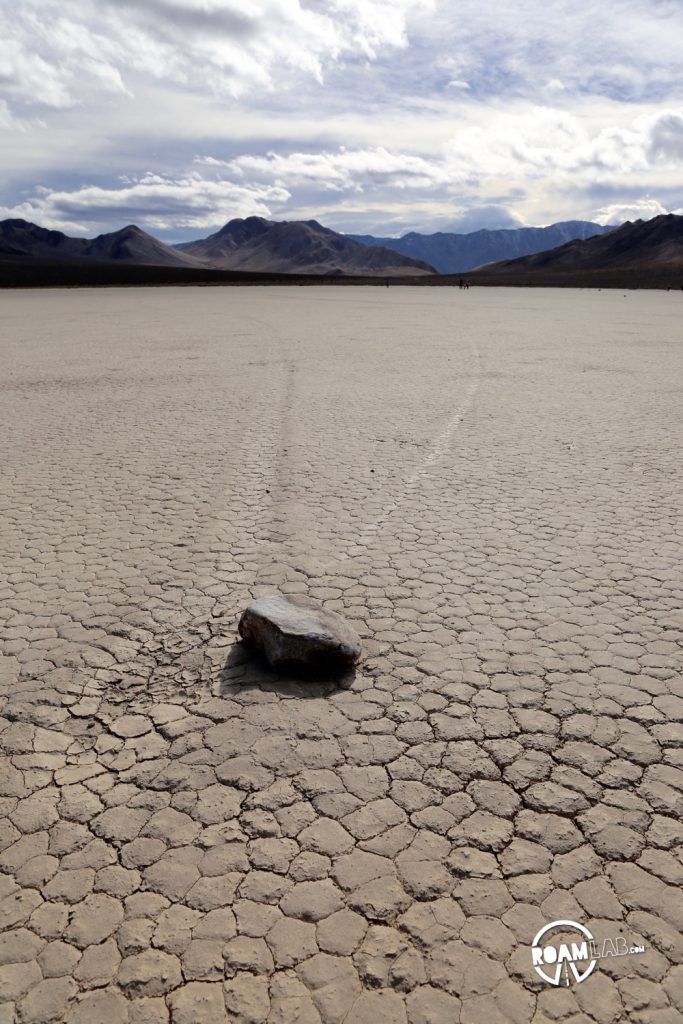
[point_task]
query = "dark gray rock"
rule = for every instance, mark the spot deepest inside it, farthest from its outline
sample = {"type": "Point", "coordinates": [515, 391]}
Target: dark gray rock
{"type": "Point", "coordinates": [293, 629]}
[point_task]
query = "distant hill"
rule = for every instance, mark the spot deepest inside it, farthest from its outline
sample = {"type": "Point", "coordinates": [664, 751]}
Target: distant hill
{"type": "Point", "coordinates": [133, 245]}
{"type": "Point", "coordinates": [130, 245]}
{"type": "Point", "coordinates": [640, 254]}
{"type": "Point", "coordinates": [302, 247]}
{"type": "Point", "coordinates": [21, 238]}
{"type": "Point", "coordinates": [454, 253]}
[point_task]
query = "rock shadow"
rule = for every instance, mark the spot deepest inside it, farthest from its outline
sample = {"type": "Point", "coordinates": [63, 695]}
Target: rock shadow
{"type": "Point", "coordinates": [246, 669]}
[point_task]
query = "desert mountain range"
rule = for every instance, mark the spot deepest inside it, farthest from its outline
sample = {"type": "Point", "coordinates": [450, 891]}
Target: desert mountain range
{"type": "Point", "coordinates": [303, 247]}
{"type": "Point", "coordinates": [254, 244]}
{"type": "Point", "coordinates": [453, 253]}
{"type": "Point", "coordinates": [640, 254]}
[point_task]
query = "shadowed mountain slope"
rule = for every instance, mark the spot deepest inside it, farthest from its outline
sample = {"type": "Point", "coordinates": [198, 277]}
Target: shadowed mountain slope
{"type": "Point", "coordinates": [129, 245]}
{"type": "Point", "coordinates": [21, 238]}
{"type": "Point", "coordinates": [646, 253]}
{"type": "Point", "coordinates": [303, 247]}
{"type": "Point", "coordinates": [453, 253]}
{"type": "Point", "coordinates": [132, 245]}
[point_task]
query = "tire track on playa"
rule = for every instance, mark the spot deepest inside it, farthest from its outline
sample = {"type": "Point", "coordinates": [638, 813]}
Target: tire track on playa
{"type": "Point", "coordinates": [236, 534]}
{"type": "Point", "coordinates": [291, 523]}
{"type": "Point", "coordinates": [272, 518]}
{"type": "Point", "coordinates": [437, 448]}
{"type": "Point", "coordinates": [286, 519]}
{"type": "Point", "coordinates": [284, 530]}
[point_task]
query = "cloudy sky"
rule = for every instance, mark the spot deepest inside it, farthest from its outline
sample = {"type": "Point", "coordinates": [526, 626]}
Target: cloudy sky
{"type": "Point", "coordinates": [380, 116]}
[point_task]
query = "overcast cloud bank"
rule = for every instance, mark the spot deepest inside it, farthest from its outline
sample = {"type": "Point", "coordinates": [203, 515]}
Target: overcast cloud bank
{"type": "Point", "coordinates": [369, 115]}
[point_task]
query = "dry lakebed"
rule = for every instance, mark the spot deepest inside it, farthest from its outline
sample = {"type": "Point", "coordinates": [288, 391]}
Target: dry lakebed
{"type": "Point", "coordinates": [487, 486]}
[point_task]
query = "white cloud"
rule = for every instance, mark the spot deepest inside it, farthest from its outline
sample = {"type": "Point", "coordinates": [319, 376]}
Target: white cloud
{"type": "Point", "coordinates": [57, 52]}
{"type": "Point", "coordinates": [641, 209]}
{"type": "Point", "coordinates": [548, 143]}
{"type": "Point", "coordinates": [153, 201]}
{"type": "Point", "coordinates": [51, 59]}
{"type": "Point", "coordinates": [491, 216]}
{"type": "Point", "coordinates": [341, 170]}
{"type": "Point", "coordinates": [542, 144]}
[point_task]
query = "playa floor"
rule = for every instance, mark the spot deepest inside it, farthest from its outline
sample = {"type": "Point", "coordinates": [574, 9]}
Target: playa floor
{"type": "Point", "coordinates": [488, 485]}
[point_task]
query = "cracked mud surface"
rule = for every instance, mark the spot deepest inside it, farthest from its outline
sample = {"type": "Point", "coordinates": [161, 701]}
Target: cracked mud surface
{"type": "Point", "coordinates": [488, 486]}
